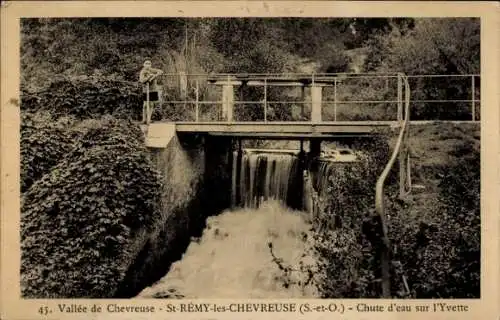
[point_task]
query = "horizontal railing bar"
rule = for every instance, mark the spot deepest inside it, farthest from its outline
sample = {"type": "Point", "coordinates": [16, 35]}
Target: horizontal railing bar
{"type": "Point", "coordinates": [327, 123]}
{"type": "Point", "coordinates": [423, 122]}
{"type": "Point", "coordinates": [395, 101]}
{"type": "Point", "coordinates": [444, 101]}
{"type": "Point", "coordinates": [297, 123]}
{"type": "Point", "coordinates": [212, 75]}
{"type": "Point", "coordinates": [441, 75]}
{"type": "Point", "coordinates": [308, 102]}
{"type": "Point", "coordinates": [358, 101]}
{"type": "Point", "coordinates": [368, 74]}
{"type": "Point", "coordinates": [324, 122]}
{"type": "Point", "coordinates": [193, 101]}
{"type": "Point", "coordinates": [254, 102]}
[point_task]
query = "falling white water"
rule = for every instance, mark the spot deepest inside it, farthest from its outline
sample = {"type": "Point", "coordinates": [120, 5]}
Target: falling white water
{"type": "Point", "coordinates": [263, 176]}
{"type": "Point", "coordinates": [232, 259]}
{"type": "Point", "coordinates": [323, 176]}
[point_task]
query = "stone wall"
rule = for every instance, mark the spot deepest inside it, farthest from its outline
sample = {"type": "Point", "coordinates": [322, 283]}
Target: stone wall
{"type": "Point", "coordinates": [196, 184]}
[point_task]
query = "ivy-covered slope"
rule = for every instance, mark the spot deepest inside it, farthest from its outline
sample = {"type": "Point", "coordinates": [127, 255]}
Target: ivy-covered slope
{"type": "Point", "coordinates": [81, 221]}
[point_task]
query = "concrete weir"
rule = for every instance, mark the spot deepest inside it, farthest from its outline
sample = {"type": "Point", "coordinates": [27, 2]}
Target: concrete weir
{"type": "Point", "coordinates": [196, 171]}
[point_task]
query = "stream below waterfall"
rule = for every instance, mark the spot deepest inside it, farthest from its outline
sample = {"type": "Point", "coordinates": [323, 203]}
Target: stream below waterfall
{"type": "Point", "coordinates": [256, 248]}
{"type": "Point", "coordinates": [232, 258]}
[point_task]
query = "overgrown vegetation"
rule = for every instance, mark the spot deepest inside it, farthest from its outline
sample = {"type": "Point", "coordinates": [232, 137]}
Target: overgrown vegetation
{"type": "Point", "coordinates": [44, 142]}
{"type": "Point", "coordinates": [347, 236]}
{"type": "Point", "coordinates": [435, 242]}
{"type": "Point", "coordinates": [444, 46]}
{"type": "Point", "coordinates": [439, 245]}
{"type": "Point", "coordinates": [86, 97]}
{"type": "Point", "coordinates": [80, 220]}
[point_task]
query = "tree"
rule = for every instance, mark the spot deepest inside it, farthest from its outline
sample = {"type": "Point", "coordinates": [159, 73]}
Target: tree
{"type": "Point", "coordinates": [446, 46]}
{"type": "Point", "coordinates": [437, 45]}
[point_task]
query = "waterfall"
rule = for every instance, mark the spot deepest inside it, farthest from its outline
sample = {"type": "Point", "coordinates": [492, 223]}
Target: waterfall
{"type": "Point", "coordinates": [324, 172]}
{"type": "Point", "coordinates": [264, 175]}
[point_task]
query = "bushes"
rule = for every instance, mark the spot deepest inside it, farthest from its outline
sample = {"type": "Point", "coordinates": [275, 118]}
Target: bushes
{"type": "Point", "coordinates": [438, 243]}
{"type": "Point", "coordinates": [86, 98]}
{"type": "Point", "coordinates": [435, 239]}
{"type": "Point", "coordinates": [46, 139]}
{"type": "Point", "coordinates": [459, 234]}
{"type": "Point", "coordinates": [79, 222]}
{"type": "Point", "coordinates": [44, 142]}
{"type": "Point", "coordinates": [345, 232]}
{"type": "Point", "coordinates": [448, 46]}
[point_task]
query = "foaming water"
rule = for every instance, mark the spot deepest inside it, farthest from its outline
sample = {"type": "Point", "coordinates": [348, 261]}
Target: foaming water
{"type": "Point", "coordinates": [232, 258]}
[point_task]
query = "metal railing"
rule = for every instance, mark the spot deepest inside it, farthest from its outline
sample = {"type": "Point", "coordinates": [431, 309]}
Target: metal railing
{"type": "Point", "coordinates": [345, 97]}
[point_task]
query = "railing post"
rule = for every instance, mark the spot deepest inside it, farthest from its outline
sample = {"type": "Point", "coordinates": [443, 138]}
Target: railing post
{"type": "Point", "coordinates": [404, 160]}
{"type": "Point", "coordinates": [147, 103]}
{"type": "Point", "coordinates": [316, 97]}
{"type": "Point", "coordinates": [303, 102]}
{"type": "Point", "coordinates": [400, 98]}
{"type": "Point", "coordinates": [265, 99]}
{"type": "Point", "coordinates": [197, 114]}
{"type": "Point", "coordinates": [473, 99]}
{"type": "Point", "coordinates": [227, 100]}
{"type": "Point", "coordinates": [183, 83]}
{"type": "Point", "coordinates": [335, 99]}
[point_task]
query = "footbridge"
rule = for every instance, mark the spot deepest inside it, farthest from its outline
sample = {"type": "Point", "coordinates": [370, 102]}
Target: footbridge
{"type": "Point", "coordinates": [286, 129]}
{"type": "Point", "coordinates": [276, 106]}
{"type": "Point", "coordinates": [304, 107]}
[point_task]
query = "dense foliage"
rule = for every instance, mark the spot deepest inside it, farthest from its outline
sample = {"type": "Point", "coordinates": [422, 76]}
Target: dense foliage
{"type": "Point", "coordinates": [435, 242]}
{"type": "Point", "coordinates": [45, 141]}
{"type": "Point", "coordinates": [346, 231]}
{"type": "Point", "coordinates": [444, 46]}
{"type": "Point", "coordinates": [440, 249]}
{"type": "Point", "coordinates": [79, 220]}
{"type": "Point", "coordinates": [52, 48]}
{"type": "Point", "coordinates": [86, 97]}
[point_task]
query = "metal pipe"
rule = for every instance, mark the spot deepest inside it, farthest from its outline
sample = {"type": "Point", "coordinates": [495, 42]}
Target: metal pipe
{"type": "Point", "coordinates": [379, 198]}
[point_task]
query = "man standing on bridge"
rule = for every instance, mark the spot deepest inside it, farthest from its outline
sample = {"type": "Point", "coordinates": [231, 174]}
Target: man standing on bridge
{"type": "Point", "coordinates": [150, 90]}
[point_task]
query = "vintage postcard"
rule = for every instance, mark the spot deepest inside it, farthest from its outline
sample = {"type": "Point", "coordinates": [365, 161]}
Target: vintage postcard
{"type": "Point", "coordinates": [249, 159]}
